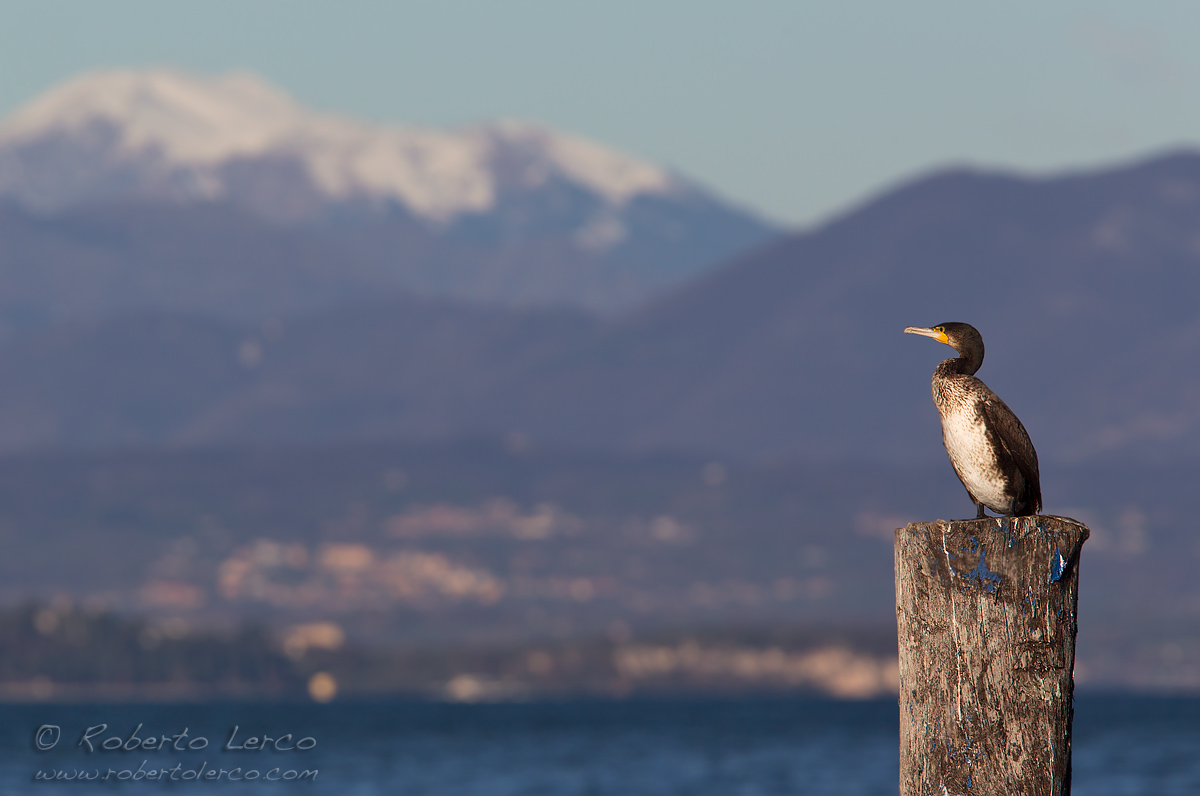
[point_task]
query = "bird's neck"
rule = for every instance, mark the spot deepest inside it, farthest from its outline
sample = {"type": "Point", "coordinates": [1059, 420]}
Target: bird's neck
{"type": "Point", "coordinates": [964, 365]}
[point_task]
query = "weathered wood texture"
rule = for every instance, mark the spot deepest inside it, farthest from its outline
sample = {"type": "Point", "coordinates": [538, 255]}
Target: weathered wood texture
{"type": "Point", "coordinates": [985, 612]}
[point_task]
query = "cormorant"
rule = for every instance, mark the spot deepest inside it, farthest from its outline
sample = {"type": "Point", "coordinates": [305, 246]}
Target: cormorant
{"type": "Point", "coordinates": [988, 446]}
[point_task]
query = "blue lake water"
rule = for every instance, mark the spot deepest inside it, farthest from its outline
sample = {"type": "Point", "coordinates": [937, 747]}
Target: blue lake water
{"type": "Point", "coordinates": [1123, 745]}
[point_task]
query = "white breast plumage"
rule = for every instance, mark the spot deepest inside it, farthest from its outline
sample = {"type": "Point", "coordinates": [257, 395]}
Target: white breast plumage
{"type": "Point", "coordinates": [974, 459]}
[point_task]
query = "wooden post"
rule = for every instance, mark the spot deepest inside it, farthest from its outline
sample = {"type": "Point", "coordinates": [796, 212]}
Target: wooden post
{"type": "Point", "coordinates": [985, 613]}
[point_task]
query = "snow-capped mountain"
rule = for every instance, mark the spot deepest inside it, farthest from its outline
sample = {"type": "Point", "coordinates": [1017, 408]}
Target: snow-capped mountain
{"type": "Point", "coordinates": [614, 227]}
{"type": "Point", "coordinates": [162, 133]}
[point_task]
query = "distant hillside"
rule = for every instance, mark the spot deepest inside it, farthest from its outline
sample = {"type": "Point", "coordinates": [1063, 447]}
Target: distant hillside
{"type": "Point", "coordinates": [398, 368]}
{"type": "Point", "coordinates": [1085, 289]}
{"type": "Point", "coordinates": [126, 176]}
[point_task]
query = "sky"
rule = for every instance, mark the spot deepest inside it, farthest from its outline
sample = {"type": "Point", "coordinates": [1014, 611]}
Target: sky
{"type": "Point", "coordinates": [798, 110]}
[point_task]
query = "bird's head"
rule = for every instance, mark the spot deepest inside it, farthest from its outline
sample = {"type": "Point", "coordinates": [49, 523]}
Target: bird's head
{"type": "Point", "coordinates": [962, 337]}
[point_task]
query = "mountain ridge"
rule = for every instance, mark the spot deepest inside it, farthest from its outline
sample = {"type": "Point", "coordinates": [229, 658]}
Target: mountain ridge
{"type": "Point", "coordinates": [1084, 288]}
{"type": "Point", "coordinates": [507, 211]}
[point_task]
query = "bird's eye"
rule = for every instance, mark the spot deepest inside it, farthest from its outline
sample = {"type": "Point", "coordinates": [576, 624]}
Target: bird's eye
{"type": "Point", "coordinates": [938, 329]}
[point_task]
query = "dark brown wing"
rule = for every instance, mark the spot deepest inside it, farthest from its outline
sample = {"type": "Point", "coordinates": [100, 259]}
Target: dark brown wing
{"type": "Point", "coordinates": [1015, 440]}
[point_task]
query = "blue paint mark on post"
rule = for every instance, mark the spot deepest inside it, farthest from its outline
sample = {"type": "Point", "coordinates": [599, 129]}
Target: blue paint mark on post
{"type": "Point", "coordinates": [982, 575]}
{"type": "Point", "coordinates": [1057, 566]}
